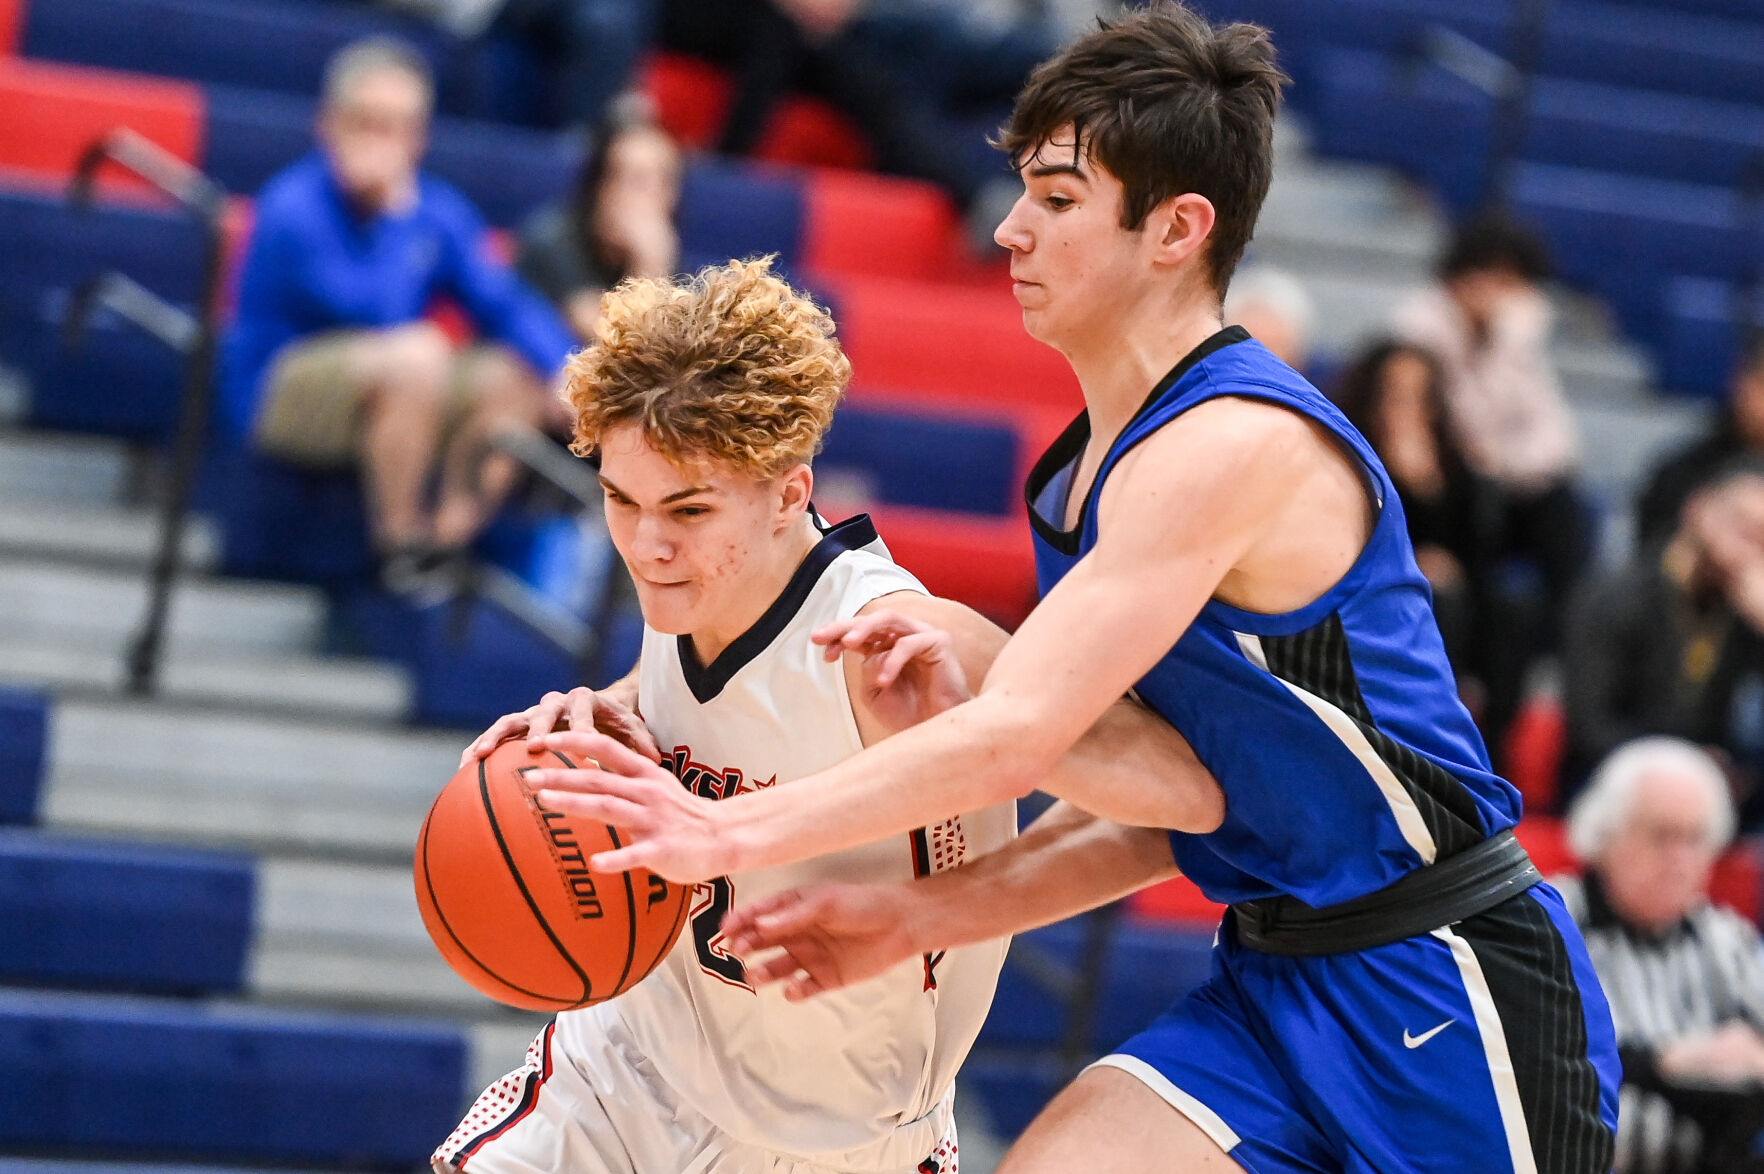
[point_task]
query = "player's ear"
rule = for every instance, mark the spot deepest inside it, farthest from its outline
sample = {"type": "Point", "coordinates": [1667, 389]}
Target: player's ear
{"type": "Point", "coordinates": [1180, 227]}
{"type": "Point", "coordinates": [796, 485]}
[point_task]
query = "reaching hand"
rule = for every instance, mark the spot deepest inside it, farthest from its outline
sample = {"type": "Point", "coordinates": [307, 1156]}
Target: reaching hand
{"type": "Point", "coordinates": [910, 669]}
{"type": "Point", "coordinates": [827, 937]}
{"type": "Point", "coordinates": [580, 709]}
{"type": "Point", "coordinates": [669, 830]}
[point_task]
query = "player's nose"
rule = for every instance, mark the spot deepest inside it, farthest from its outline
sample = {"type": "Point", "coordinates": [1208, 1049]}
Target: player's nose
{"type": "Point", "coordinates": [1011, 232]}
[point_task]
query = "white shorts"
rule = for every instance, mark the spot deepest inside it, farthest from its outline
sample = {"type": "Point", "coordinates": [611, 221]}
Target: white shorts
{"type": "Point", "coordinates": [608, 1112]}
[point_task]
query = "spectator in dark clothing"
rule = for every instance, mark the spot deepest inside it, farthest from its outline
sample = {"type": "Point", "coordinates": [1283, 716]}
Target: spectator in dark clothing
{"type": "Point", "coordinates": [618, 223]}
{"type": "Point", "coordinates": [1488, 322]}
{"type": "Point", "coordinates": [1673, 643]}
{"type": "Point", "coordinates": [1738, 430]}
{"type": "Point", "coordinates": [590, 46]}
{"type": "Point", "coordinates": [1685, 978]}
{"type": "Point", "coordinates": [331, 363]}
{"type": "Point", "coordinates": [903, 72]}
{"type": "Point", "coordinates": [1394, 394]}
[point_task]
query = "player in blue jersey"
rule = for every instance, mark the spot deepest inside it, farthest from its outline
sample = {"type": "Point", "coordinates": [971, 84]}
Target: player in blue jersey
{"type": "Point", "coordinates": [1393, 988]}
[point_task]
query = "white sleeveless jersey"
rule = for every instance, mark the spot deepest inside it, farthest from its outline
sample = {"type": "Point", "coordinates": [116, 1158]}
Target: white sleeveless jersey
{"type": "Point", "coordinates": [856, 1079]}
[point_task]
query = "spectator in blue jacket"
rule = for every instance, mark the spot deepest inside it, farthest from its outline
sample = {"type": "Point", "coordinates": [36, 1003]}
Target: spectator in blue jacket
{"type": "Point", "coordinates": [333, 361]}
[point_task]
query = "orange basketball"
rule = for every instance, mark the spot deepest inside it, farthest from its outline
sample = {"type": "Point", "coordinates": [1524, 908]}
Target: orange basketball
{"type": "Point", "coordinates": [505, 892]}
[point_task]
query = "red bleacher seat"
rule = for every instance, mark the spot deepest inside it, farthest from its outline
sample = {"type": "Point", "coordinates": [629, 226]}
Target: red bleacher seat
{"type": "Point", "coordinates": [692, 102]}
{"type": "Point", "coordinates": [1535, 742]}
{"type": "Point", "coordinates": [860, 223]}
{"type": "Point", "coordinates": [986, 563]}
{"type": "Point", "coordinates": [54, 112]}
{"type": "Point", "coordinates": [948, 341]}
{"type": "Point", "coordinates": [11, 24]}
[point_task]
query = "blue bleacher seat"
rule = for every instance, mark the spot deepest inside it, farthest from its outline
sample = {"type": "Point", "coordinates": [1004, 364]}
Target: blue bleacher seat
{"type": "Point", "coordinates": [1612, 128]}
{"type": "Point", "coordinates": [1623, 236]}
{"type": "Point", "coordinates": [729, 209]}
{"type": "Point", "coordinates": [111, 1076]}
{"type": "Point", "coordinates": [117, 381]}
{"type": "Point", "coordinates": [1702, 339]}
{"type": "Point", "coordinates": [1378, 109]}
{"type": "Point", "coordinates": [942, 461]}
{"type": "Point", "coordinates": [110, 914]}
{"type": "Point", "coordinates": [24, 742]}
{"type": "Point", "coordinates": [507, 172]}
{"type": "Point", "coordinates": [270, 44]}
{"type": "Point", "coordinates": [1651, 49]}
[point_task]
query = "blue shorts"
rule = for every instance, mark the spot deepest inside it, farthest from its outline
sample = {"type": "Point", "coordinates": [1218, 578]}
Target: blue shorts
{"type": "Point", "coordinates": [1485, 1046]}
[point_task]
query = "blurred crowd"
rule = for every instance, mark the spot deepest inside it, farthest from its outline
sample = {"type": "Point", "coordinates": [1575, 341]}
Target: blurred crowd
{"type": "Point", "coordinates": [334, 362]}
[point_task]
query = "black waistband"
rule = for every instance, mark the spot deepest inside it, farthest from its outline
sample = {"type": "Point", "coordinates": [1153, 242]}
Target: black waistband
{"type": "Point", "coordinates": [1474, 881]}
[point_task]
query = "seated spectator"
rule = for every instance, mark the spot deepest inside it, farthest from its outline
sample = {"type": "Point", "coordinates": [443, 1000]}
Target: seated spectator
{"type": "Point", "coordinates": [1393, 394]}
{"type": "Point", "coordinates": [1685, 979]}
{"type": "Point", "coordinates": [1737, 431]}
{"type": "Point", "coordinates": [331, 363]}
{"type": "Point", "coordinates": [1673, 643]}
{"type": "Point", "coordinates": [590, 46]}
{"type": "Point", "coordinates": [903, 71]}
{"type": "Point", "coordinates": [1488, 322]}
{"type": "Point", "coordinates": [1273, 306]}
{"type": "Point", "coordinates": [618, 223]}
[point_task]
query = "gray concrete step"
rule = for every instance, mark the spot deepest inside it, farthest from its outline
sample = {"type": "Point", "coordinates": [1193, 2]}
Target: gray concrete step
{"type": "Point", "coordinates": [350, 689]}
{"type": "Point", "coordinates": [43, 601]}
{"type": "Point", "coordinates": [272, 785]}
{"type": "Point", "coordinates": [87, 470]}
{"type": "Point", "coordinates": [103, 534]}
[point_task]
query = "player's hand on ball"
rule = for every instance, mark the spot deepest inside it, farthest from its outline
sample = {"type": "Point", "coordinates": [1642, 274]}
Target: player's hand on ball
{"type": "Point", "coordinates": [825, 937]}
{"type": "Point", "coordinates": [910, 668]}
{"type": "Point", "coordinates": [580, 709]}
{"type": "Point", "coordinates": [671, 831]}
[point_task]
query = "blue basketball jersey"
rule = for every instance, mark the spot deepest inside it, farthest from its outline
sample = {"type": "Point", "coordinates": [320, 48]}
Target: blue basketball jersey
{"type": "Point", "coordinates": [1335, 730]}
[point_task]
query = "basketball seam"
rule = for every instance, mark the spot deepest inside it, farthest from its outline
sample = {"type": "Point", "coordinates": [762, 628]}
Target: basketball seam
{"type": "Point", "coordinates": [673, 936]}
{"type": "Point", "coordinates": [630, 920]}
{"type": "Point", "coordinates": [441, 916]}
{"type": "Point", "coordinates": [521, 881]}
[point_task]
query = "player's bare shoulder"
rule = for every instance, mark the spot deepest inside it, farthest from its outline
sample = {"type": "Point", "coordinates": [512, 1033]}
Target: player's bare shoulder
{"type": "Point", "coordinates": [1300, 505]}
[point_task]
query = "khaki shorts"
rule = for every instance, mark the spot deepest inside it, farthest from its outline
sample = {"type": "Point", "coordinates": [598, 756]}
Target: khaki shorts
{"type": "Point", "coordinates": [311, 414]}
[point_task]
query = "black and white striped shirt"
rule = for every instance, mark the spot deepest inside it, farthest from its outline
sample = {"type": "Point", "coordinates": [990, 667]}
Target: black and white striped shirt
{"type": "Point", "coordinates": [1703, 972]}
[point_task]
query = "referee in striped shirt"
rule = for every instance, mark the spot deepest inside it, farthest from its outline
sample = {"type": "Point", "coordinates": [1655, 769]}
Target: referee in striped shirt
{"type": "Point", "coordinates": [1684, 977]}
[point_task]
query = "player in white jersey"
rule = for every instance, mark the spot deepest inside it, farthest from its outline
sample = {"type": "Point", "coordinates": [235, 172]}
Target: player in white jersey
{"type": "Point", "coordinates": [705, 401]}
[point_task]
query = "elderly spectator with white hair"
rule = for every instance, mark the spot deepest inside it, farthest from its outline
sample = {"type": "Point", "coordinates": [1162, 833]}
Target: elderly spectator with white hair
{"type": "Point", "coordinates": [1685, 978]}
{"type": "Point", "coordinates": [1274, 307]}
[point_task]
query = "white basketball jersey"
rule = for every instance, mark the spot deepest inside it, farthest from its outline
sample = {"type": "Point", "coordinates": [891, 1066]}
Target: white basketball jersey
{"type": "Point", "coordinates": [857, 1078]}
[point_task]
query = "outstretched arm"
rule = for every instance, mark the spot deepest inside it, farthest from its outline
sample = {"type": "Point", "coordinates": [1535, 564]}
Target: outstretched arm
{"type": "Point", "coordinates": [831, 936]}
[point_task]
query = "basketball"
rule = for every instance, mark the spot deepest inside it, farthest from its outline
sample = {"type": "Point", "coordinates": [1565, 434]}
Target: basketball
{"type": "Point", "coordinates": [506, 894]}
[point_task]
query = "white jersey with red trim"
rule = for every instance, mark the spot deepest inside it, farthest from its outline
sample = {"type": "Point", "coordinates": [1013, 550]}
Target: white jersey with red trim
{"type": "Point", "coordinates": [856, 1079]}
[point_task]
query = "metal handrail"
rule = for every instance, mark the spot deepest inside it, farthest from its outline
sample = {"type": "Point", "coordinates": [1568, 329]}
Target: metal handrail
{"type": "Point", "coordinates": [193, 336]}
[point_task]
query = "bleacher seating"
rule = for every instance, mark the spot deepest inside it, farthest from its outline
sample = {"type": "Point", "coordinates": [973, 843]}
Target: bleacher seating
{"type": "Point", "coordinates": [122, 1076]}
{"type": "Point", "coordinates": [24, 735]}
{"type": "Point", "coordinates": [96, 914]}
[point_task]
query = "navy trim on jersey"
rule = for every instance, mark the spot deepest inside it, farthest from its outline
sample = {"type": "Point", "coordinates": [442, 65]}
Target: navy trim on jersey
{"type": "Point", "coordinates": [706, 682]}
{"type": "Point", "coordinates": [1064, 452]}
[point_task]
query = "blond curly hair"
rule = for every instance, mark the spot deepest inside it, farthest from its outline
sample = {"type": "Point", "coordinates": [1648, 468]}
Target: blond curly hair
{"type": "Point", "coordinates": [731, 365]}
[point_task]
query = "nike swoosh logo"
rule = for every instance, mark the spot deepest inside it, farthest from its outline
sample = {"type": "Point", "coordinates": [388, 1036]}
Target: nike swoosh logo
{"type": "Point", "coordinates": [1415, 1041]}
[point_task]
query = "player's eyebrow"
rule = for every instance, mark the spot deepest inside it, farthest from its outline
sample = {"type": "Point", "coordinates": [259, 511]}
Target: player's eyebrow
{"type": "Point", "coordinates": [1043, 170]}
{"type": "Point", "coordinates": [668, 500]}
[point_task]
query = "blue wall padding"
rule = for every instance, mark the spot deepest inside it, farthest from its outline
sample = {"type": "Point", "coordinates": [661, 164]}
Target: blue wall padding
{"type": "Point", "coordinates": [160, 1078]}
{"type": "Point", "coordinates": [24, 744]}
{"type": "Point", "coordinates": [112, 914]}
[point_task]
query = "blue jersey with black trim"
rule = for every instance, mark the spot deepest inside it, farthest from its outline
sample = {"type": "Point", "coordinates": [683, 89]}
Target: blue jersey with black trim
{"type": "Point", "coordinates": [1335, 730]}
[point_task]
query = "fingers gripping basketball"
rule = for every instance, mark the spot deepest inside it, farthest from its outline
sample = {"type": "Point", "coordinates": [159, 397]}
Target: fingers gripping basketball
{"type": "Point", "coordinates": [506, 894]}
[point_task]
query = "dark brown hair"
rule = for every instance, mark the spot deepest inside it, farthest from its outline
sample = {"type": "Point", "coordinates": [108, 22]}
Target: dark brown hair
{"type": "Point", "coordinates": [1168, 104]}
